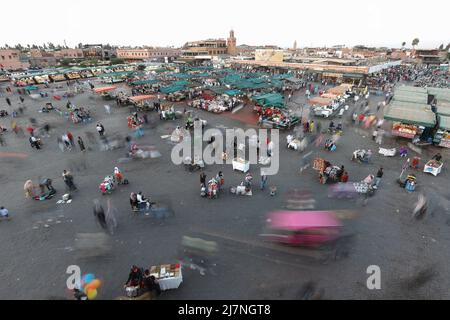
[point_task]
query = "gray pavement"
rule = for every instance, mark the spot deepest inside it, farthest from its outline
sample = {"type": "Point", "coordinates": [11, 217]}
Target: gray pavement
{"type": "Point", "coordinates": [40, 241]}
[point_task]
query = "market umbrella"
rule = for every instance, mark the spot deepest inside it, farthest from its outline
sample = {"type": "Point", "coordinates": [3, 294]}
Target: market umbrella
{"type": "Point", "coordinates": [104, 89]}
{"type": "Point", "coordinates": [142, 97]}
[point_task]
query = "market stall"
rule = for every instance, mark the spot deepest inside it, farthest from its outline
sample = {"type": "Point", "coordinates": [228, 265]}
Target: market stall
{"type": "Point", "coordinates": [142, 102]}
{"type": "Point", "coordinates": [410, 120]}
{"type": "Point", "coordinates": [434, 167]}
{"type": "Point", "coordinates": [320, 101]}
{"type": "Point", "coordinates": [169, 276]}
{"type": "Point", "coordinates": [240, 164]}
{"type": "Point", "coordinates": [57, 77]}
{"type": "Point", "coordinates": [442, 135]}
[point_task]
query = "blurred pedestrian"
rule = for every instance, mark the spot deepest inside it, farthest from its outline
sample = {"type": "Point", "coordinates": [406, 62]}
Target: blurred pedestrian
{"type": "Point", "coordinates": [2, 141]}
{"type": "Point", "coordinates": [99, 213]}
{"type": "Point", "coordinates": [4, 213]}
{"type": "Point", "coordinates": [70, 137]}
{"type": "Point", "coordinates": [263, 181]}
{"type": "Point", "coordinates": [100, 129]}
{"type": "Point", "coordinates": [81, 144]}
{"type": "Point", "coordinates": [68, 179]}
{"type": "Point", "coordinates": [8, 102]}
{"type": "Point", "coordinates": [378, 177]}
{"type": "Point", "coordinates": [107, 109]}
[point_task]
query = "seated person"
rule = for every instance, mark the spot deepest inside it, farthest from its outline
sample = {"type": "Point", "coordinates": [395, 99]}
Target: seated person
{"type": "Point", "coordinates": [150, 283]}
{"type": "Point", "coordinates": [134, 278]}
{"type": "Point", "coordinates": [142, 200]}
{"type": "Point", "coordinates": [339, 127]}
{"type": "Point", "coordinates": [437, 157]}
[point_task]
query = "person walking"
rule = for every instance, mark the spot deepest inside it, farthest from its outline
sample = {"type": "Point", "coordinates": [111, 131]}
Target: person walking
{"type": "Point", "coordinates": [134, 202]}
{"type": "Point", "coordinates": [81, 144]}
{"type": "Point", "coordinates": [70, 137]}
{"type": "Point", "coordinates": [68, 179]}
{"type": "Point", "coordinates": [4, 213]}
{"type": "Point", "coordinates": [2, 141]}
{"type": "Point", "coordinates": [8, 102]}
{"type": "Point", "coordinates": [311, 127]}
{"type": "Point", "coordinates": [100, 129]}
{"type": "Point", "coordinates": [203, 179]}
{"type": "Point", "coordinates": [378, 177]}
{"type": "Point", "coordinates": [107, 109]}
{"type": "Point", "coordinates": [263, 181]}
{"type": "Point", "coordinates": [99, 213]}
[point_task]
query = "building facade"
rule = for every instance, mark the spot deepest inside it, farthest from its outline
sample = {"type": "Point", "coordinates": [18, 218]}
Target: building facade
{"type": "Point", "coordinates": [69, 53]}
{"type": "Point", "coordinates": [11, 59]}
{"type": "Point", "coordinates": [146, 53]}
{"type": "Point", "coordinates": [430, 56]}
{"type": "Point", "coordinates": [210, 47]}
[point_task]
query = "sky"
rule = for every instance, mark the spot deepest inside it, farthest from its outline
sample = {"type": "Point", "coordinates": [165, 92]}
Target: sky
{"type": "Point", "coordinates": [255, 22]}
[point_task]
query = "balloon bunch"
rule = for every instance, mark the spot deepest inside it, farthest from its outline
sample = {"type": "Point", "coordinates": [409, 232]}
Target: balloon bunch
{"type": "Point", "coordinates": [90, 285]}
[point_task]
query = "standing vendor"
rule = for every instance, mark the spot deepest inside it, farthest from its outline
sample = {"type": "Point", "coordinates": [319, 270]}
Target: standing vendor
{"type": "Point", "coordinates": [437, 157]}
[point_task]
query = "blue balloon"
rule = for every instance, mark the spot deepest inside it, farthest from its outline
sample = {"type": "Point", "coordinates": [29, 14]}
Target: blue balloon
{"type": "Point", "coordinates": [88, 278]}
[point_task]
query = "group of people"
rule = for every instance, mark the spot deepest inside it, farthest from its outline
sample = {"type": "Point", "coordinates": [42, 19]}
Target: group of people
{"type": "Point", "coordinates": [143, 280]}
{"type": "Point", "coordinates": [139, 202]}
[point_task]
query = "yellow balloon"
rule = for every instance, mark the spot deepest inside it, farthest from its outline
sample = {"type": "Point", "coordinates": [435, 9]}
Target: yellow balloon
{"type": "Point", "coordinates": [92, 294]}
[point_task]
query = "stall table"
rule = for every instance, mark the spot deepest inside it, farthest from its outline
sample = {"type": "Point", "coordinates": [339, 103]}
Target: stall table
{"type": "Point", "coordinates": [434, 167]}
{"type": "Point", "coordinates": [241, 165]}
{"type": "Point", "coordinates": [169, 276]}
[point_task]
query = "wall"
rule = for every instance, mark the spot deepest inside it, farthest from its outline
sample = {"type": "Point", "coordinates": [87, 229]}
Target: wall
{"type": "Point", "coordinates": [269, 55]}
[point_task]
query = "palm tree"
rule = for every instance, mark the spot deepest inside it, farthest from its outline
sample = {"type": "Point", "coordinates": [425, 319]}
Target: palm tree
{"type": "Point", "coordinates": [441, 47]}
{"type": "Point", "coordinates": [415, 42]}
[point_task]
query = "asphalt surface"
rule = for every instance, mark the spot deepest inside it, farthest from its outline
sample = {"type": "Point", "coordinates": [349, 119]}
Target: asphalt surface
{"type": "Point", "coordinates": [40, 241]}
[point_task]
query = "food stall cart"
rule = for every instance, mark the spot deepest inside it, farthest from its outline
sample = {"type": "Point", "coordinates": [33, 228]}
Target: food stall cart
{"type": "Point", "coordinates": [327, 171]}
{"type": "Point", "coordinates": [169, 276]}
{"type": "Point", "coordinates": [434, 167]}
{"type": "Point", "coordinates": [442, 135]}
{"type": "Point", "coordinates": [404, 130]}
{"type": "Point", "coordinates": [410, 120]}
{"type": "Point", "coordinates": [241, 165]}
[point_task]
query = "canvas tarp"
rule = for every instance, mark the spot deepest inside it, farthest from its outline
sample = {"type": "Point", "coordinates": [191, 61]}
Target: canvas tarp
{"type": "Point", "coordinates": [411, 97]}
{"type": "Point", "coordinates": [232, 92]}
{"type": "Point", "coordinates": [172, 89]}
{"type": "Point", "coordinates": [444, 122]}
{"type": "Point", "coordinates": [417, 90]}
{"type": "Point", "coordinates": [339, 90]}
{"type": "Point", "coordinates": [218, 90]}
{"type": "Point", "coordinates": [319, 101]}
{"type": "Point", "coordinates": [418, 114]}
{"type": "Point", "coordinates": [443, 108]}
{"type": "Point", "coordinates": [143, 82]}
{"type": "Point", "coordinates": [270, 100]}
{"type": "Point", "coordinates": [142, 97]}
{"type": "Point", "coordinates": [115, 74]}
{"type": "Point", "coordinates": [104, 89]}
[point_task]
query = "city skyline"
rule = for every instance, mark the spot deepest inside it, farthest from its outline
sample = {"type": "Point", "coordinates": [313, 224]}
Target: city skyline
{"type": "Point", "coordinates": [254, 22]}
